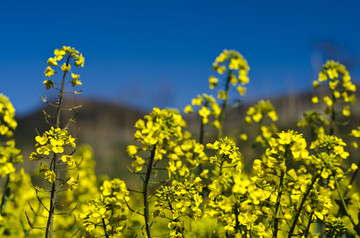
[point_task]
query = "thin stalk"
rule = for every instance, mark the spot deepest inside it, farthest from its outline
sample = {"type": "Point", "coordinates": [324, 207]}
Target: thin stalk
{"type": "Point", "coordinates": [54, 167]}
{"type": "Point", "coordinates": [61, 94]}
{"type": "Point", "coordinates": [6, 194]}
{"type": "Point", "coordinates": [145, 193]}
{"type": "Point", "coordinates": [343, 202]}
{"type": "Point", "coordinates": [333, 116]}
{"type": "Point", "coordinates": [302, 205]}
{"type": "Point", "coordinates": [224, 105]}
{"type": "Point", "coordinates": [350, 183]}
{"type": "Point", "coordinates": [50, 223]}
{"type": "Point", "coordinates": [277, 205]}
{"type": "Point", "coordinates": [308, 226]}
{"type": "Point", "coordinates": [201, 134]}
{"type": "Point", "coordinates": [104, 226]}
{"type": "Point", "coordinates": [237, 223]}
{"type": "Point", "coordinates": [176, 220]}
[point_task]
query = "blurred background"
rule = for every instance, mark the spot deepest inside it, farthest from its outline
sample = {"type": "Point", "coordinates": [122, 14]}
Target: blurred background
{"type": "Point", "coordinates": [142, 54]}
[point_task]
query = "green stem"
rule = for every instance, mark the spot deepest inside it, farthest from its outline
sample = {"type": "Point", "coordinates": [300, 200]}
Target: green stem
{"type": "Point", "coordinates": [224, 105]}
{"type": "Point", "coordinates": [343, 202]}
{"type": "Point", "coordinates": [333, 116]}
{"type": "Point", "coordinates": [237, 223]}
{"type": "Point", "coordinates": [308, 226]}
{"type": "Point", "coordinates": [104, 226]}
{"type": "Point", "coordinates": [302, 205]}
{"type": "Point", "coordinates": [61, 95]}
{"type": "Point", "coordinates": [201, 134]}
{"type": "Point", "coordinates": [53, 167]}
{"type": "Point", "coordinates": [277, 205]}
{"type": "Point", "coordinates": [145, 192]}
{"type": "Point", "coordinates": [350, 183]}
{"type": "Point", "coordinates": [6, 194]}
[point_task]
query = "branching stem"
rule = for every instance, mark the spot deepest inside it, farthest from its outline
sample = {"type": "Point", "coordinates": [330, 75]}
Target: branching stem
{"type": "Point", "coordinates": [224, 105]}
{"type": "Point", "coordinates": [54, 167]}
{"type": "Point", "coordinates": [145, 192]}
{"type": "Point", "coordinates": [277, 205]}
{"type": "Point", "coordinates": [302, 205]}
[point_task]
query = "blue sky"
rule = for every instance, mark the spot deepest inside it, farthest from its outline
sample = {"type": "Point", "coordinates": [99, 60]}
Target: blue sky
{"type": "Point", "coordinates": [160, 53]}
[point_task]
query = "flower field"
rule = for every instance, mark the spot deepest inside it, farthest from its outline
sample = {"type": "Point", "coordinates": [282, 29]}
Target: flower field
{"type": "Point", "coordinates": [258, 181]}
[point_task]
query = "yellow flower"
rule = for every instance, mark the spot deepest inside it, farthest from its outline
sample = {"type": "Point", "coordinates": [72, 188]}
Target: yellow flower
{"type": "Point", "coordinates": [34, 156]}
{"type": "Point", "coordinates": [328, 101]}
{"type": "Point", "coordinates": [243, 78]}
{"type": "Point", "coordinates": [221, 69]}
{"type": "Point", "coordinates": [213, 81]}
{"type": "Point", "coordinates": [68, 159]}
{"type": "Point", "coordinates": [216, 110]}
{"type": "Point", "coordinates": [138, 163]}
{"type": "Point", "coordinates": [52, 62]}
{"type": "Point", "coordinates": [336, 94]}
{"type": "Point", "coordinates": [188, 109]}
{"type": "Point", "coordinates": [75, 80]}
{"type": "Point", "coordinates": [59, 54]}
{"type": "Point", "coordinates": [346, 111]}
{"type": "Point", "coordinates": [43, 168]}
{"type": "Point", "coordinates": [222, 95]}
{"type": "Point", "coordinates": [48, 84]}
{"type": "Point", "coordinates": [241, 90]}
{"type": "Point", "coordinates": [322, 76]}
{"type": "Point", "coordinates": [247, 120]}
{"type": "Point", "coordinates": [316, 84]}
{"type": "Point", "coordinates": [80, 60]}
{"type": "Point", "coordinates": [216, 124]}
{"type": "Point", "coordinates": [50, 176]}
{"type": "Point", "coordinates": [49, 72]}
{"type": "Point", "coordinates": [65, 68]}
{"type": "Point", "coordinates": [353, 168]}
{"type": "Point", "coordinates": [315, 100]}
{"type": "Point", "coordinates": [243, 137]}
{"type": "Point", "coordinates": [257, 117]}
{"type": "Point", "coordinates": [333, 83]}
{"type": "Point", "coordinates": [132, 150]}
{"type": "Point", "coordinates": [197, 101]}
{"type": "Point", "coordinates": [42, 140]}
{"type": "Point", "coordinates": [233, 79]}
{"type": "Point", "coordinates": [285, 137]}
{"type": "Point", "coordinates": [204, 113]}
{"type": "Point", "coordinates": [273, 116]}
{"type": "Point", "coordinates": [72, 183]}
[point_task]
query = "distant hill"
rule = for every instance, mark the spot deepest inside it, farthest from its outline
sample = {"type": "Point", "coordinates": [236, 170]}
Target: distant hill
{"type": "Point", "coordinates": [106, 126]}
{"type": "Point", "coordinates": [109, 127]}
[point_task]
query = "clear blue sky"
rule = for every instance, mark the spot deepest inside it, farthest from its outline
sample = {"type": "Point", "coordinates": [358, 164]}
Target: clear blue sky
{"type": "Point", "coordinates": [160, 53]}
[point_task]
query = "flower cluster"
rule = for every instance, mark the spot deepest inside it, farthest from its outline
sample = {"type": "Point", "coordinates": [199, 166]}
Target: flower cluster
{"type": "Point", "coordinates": [70, 56]}
{"type": "Point", "coordinates": [234, 63]}
{"type": "Point", "coordinates": [185, 158]}
{"type": "Point", "coordinates": [51, 143]}
{"type": "Point", "coordinates": [7, 117]}
{"type": "Point", "coordinates": [208, 106]}
{"type": "Point", "coordinates": [162, 131]}
{"type": "Point", "coordinates": [108, 211]}
{"type": "Point", "coordinates": [9, 156]}
{"type": "Point", "coordinates": [329, 157]}
{"type": "Point", "coordinates": [339, 82]}
{"type": "Point", "coordinates": [280, 148]}
{"type": "Point", "coordinates": [234, 198]}
{"type": "Point", "coordinates": [258, 114]}
{"type": "Point", "coordinates": [314, 120]}
{"type": "Point", "coordinates": [181, 199]}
